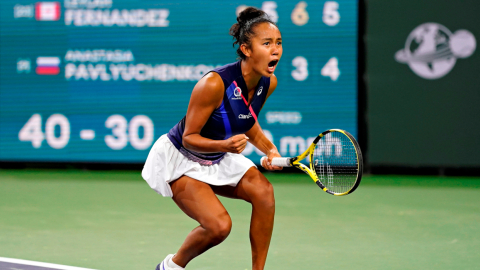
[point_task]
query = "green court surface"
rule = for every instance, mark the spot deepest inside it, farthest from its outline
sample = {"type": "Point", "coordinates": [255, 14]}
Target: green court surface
{"type": "Point", "coordinates": [114, 221]}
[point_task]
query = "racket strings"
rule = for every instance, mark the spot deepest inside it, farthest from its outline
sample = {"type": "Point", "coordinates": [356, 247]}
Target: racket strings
{"type": "Point", "coordinates": [335, 162]}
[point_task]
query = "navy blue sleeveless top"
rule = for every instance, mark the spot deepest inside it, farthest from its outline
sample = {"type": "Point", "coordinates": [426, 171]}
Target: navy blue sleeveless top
{"type": "Point", "coordinates": [231, 118]}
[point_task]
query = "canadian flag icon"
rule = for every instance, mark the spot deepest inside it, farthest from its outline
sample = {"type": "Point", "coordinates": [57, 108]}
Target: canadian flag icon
{"type": "Point", "coordinates": [47, 11]}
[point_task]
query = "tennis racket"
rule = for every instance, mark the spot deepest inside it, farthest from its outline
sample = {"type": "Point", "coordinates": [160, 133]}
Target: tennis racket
{"type": "Point", "coordinates": [335, 162]}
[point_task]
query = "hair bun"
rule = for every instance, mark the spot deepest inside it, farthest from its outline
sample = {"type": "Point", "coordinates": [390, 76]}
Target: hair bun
{"type": "Point", "coordinates": [249, 14]}
{"type": "Point", "coordinates": [242, 31]}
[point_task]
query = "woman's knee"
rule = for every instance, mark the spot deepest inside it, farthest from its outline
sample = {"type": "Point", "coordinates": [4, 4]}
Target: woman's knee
{"type": "Point", "coordinates": [219, 228]}
{"type": "Point", "coordinates": [260, 190]}
{"type": "Point", "coordinates": [266, 195]}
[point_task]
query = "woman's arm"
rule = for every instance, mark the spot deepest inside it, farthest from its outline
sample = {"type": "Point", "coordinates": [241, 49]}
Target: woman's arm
{"type": "Point", "coordinates": [207, 95]}
{"type": "Point", "coordinates": [258, 138]}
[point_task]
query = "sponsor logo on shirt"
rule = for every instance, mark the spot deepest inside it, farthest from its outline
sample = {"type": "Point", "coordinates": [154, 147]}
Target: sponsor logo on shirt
{"type": "Point", "coordinates": [237, 92]}
{"type": "Point", "coordinates": [243, 116]}
{"type": "Point", "coordinates": [260, 90]}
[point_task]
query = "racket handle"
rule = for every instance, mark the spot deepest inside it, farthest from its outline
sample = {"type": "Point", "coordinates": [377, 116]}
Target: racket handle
{"type": "Point", "coordinates": [278, 161]}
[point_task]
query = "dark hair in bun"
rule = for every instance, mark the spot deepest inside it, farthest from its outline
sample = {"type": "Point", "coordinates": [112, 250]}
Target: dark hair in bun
{"type": "Point", "coordinates": [242, 31]}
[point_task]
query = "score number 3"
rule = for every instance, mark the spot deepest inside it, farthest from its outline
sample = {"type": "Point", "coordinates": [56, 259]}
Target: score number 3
{"type": "Point", "coordinates": [120, 138]}
{"type": "Point", "coordinates": [300, 73]}
{"type": "Point", "coordinates": [122, 131]}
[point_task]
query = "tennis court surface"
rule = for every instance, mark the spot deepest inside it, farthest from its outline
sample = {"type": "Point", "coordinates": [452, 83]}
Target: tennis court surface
{"type": "Point", "coordinates": [113, 220]}
{"type": "Point", "coordinates": [16, 264]}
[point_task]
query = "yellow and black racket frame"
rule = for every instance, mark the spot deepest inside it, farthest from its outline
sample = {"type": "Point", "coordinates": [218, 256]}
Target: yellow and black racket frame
{"type": "Point", "coordinates": [295, 162]}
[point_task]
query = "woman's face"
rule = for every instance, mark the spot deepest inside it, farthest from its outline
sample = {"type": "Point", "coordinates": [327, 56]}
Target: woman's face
{"type": "Point", "coordinates": [266, 49]}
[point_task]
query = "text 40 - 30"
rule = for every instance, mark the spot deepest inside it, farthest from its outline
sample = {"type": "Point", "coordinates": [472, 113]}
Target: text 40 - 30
{"type": "Point", "coordinates": [122, 132]}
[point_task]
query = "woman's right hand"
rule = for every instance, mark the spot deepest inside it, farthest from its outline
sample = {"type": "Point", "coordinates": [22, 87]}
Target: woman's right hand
{"type": "Point", "coordinates": [236, 144]}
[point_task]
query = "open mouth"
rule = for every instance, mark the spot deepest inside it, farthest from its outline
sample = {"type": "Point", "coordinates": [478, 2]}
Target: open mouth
{"type": "Point", "coordinates": [272, 63]}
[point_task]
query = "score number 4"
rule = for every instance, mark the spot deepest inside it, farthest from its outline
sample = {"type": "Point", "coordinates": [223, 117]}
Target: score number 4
{"type": "Point", "coordinates": [300, 73]}
{"type": "Point", "coordinates": [32, 131]}
{"type": "Point", "coordinates": [122, 131]}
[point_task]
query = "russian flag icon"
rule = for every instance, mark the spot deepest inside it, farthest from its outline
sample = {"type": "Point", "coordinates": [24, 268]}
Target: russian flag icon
{"type": "Point", "coordinates": [47, 11]}
{"type": "Point", "coordinates": [48, 65]}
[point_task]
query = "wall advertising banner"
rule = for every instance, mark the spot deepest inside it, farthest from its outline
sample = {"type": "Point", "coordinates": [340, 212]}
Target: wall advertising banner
{"type": "Point", "coordinates": [423, 83]}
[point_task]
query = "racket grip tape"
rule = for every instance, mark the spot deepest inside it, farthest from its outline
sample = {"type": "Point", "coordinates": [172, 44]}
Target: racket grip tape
{"type": "Point", "coordinates": [278, 161]}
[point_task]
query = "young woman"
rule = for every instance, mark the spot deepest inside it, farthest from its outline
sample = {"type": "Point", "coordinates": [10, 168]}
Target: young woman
{"type": "Point", "coordinates": [200, 156]}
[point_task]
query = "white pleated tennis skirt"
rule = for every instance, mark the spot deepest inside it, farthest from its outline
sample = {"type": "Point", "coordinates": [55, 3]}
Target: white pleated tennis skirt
{"type": "Point", "coordinates": [166, 164]}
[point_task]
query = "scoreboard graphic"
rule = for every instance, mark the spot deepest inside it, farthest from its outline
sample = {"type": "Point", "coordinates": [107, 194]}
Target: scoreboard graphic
{"type": "Point", "coordinates": [101, 80]}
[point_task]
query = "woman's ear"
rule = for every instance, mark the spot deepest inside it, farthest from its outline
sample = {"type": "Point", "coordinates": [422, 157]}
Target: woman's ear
{"type": "Point", "coordinates": [245, 50]}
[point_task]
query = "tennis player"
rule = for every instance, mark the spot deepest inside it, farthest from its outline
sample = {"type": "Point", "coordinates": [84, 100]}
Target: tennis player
{"type": "Point", "coordinates": [200, 156]}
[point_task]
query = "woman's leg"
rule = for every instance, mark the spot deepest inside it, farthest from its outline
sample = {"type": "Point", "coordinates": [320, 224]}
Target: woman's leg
{"type": "Point", "coordinates": [257, 190]}
{"type": "Point", "coordinates": [199, 202]}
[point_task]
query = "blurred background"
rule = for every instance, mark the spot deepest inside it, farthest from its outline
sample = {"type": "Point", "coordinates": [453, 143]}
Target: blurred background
{"type": "Point", "coordinates": [87, 86]}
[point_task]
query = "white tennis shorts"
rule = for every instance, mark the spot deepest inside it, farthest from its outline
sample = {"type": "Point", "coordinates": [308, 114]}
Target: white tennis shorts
{"type": "Point", "coordinates": [166, 164]}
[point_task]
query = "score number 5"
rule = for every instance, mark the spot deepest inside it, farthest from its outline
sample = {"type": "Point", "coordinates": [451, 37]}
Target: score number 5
{"type": "Point", "coordinates": [331, 16]}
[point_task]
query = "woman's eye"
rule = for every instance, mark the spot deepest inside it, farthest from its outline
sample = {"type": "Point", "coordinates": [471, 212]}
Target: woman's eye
{"type": "Point", "coordinates": [266, 43]}
{"type": "Point", "coordinates": [279, 43]}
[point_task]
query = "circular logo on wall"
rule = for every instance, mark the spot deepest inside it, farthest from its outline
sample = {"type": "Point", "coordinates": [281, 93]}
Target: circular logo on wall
{"type": "Point", "coordinates": [431, 50]}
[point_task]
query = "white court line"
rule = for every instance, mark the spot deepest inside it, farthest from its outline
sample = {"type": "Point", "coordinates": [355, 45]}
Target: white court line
{"type": "Point", "coordinates": [41, 264]}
